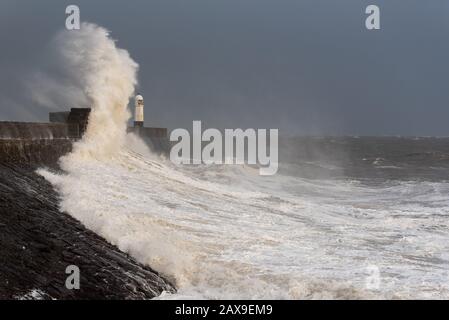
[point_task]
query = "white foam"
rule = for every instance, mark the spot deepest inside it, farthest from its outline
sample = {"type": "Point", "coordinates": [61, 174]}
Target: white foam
{"type": "Point", "coordinates": [225, 232]}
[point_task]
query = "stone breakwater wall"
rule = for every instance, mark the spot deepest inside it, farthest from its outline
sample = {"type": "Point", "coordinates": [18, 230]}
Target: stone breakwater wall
{"type": "Point", "coordinates": [45, 143]}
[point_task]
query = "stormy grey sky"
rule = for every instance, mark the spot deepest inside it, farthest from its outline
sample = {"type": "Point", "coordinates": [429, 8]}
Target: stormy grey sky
{"type": "Point", "coordinates": [303, 66]}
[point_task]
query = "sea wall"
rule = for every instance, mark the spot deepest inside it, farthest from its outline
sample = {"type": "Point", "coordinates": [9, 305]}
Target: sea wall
{"type": "Point", "coordinates": [34, 143]}
{"type": "Point", "coordinates": [155, 138]}
{"type": "Point", "coordinates": [45, 143]}
{"type": "Point", "coordinates": [34, 130]}
{"type": "Point", "coordinates": [38, 152]}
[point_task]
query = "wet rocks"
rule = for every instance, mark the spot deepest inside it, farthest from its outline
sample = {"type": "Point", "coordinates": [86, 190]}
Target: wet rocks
{"type": "Point", "coordinates": [38, 242]}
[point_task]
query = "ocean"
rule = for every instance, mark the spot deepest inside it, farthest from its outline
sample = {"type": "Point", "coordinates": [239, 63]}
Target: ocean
{"type": "Point", "coordinates": [344, 218]}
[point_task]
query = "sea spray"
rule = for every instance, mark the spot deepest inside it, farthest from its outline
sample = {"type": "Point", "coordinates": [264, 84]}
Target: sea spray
{"type": "Point", "coordinates": [107, 76]}
{"type": "Point", "coordinates": [88, 62]}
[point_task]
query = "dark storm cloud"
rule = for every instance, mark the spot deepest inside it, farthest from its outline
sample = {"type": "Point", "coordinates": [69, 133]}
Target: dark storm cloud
{"type": "Point", "coordinates": [300, 66]}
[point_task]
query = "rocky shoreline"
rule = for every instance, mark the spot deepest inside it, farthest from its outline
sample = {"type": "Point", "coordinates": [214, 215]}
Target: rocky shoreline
{"type": "Point", "coordinates": [38, 242]}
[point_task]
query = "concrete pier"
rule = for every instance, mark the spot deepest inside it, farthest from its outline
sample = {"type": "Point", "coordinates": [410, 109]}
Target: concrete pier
{"type": "Point", "coordinates": [46, 142]}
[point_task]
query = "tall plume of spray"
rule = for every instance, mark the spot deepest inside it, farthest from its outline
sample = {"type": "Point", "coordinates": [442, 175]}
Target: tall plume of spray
{"type": "Point", "coordinates": [106, 76]}
{"type": "Point", "coordinates": [87, 68]}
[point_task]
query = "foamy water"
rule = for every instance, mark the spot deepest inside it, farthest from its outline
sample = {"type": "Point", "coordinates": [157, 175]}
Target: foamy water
{"type": "Point", "coordinates": [226, 232]}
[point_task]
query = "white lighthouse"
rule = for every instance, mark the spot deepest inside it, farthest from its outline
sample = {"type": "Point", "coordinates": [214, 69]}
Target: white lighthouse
{"type": "Point", "coordinates": [138, 115]}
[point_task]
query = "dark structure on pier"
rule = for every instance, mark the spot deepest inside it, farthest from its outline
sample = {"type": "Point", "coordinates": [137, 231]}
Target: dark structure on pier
{"type": "Point", "coordinates": [76, 120]}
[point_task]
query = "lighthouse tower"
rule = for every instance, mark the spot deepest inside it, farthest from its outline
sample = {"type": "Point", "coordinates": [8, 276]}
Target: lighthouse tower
{"type": "Point", "coordinates": [138, 115]}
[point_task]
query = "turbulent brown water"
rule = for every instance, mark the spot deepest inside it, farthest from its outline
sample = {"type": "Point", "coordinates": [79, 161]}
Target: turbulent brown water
{"type": "Point", "coordinates": [338, 209]}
